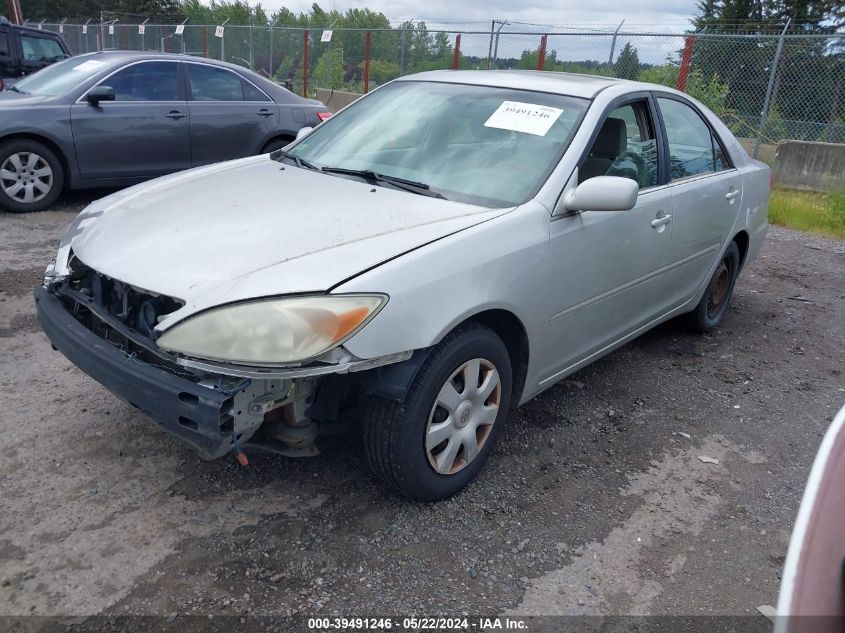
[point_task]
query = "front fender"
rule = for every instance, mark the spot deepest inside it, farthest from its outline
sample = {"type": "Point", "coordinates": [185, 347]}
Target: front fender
{"type": "Point", "coordinates": [500, 264]}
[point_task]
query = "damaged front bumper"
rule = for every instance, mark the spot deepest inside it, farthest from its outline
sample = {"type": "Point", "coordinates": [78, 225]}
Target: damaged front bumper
{"type": "Point", "coordinates": [213, 408]}
{"type": "Point", "coordinates": [198, 415]}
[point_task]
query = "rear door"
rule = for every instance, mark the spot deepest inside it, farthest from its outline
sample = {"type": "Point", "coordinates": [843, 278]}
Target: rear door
{"type": "Point", "coordinates": [144, 132]}
{"type": "Point", "coordinates": [706, 195]}
{"type": "Point", "coordinates": [230, 116]}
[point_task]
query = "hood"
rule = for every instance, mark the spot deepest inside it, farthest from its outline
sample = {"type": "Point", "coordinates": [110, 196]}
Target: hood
{"type": "Point", "coordinates": [12, 99]}
{"type": "Point", "coordinates": [255, 228]}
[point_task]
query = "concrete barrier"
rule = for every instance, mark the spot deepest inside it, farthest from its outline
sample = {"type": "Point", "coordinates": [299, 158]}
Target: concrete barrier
{"type": "Point", "coordinates": [810, 166]}
{"type": "Point", "coordinates": [336, 99]}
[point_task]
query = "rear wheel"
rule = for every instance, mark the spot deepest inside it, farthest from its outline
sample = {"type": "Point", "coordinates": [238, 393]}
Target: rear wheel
{"type": "Point", "coordinates": [31, 176]}
{"type": "Point", "coordinates": [437, 439]}
{"type": "Point", "coordinates": [275, 144]}
{"type": "Point", "coordinates": [711, 309]}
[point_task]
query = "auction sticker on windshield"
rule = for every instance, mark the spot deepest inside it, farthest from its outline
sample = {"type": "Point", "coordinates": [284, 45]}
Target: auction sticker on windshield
{"type": "Point", "coordinates": [529, 118]}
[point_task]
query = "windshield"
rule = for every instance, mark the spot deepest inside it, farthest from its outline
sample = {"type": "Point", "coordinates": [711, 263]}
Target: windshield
{"type": "Point", "coordinates": [60, 77]}
{"type": "Point", "coordinates": [476, 144]}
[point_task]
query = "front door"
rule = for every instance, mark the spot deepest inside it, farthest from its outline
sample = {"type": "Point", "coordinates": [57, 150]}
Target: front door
{"type": "Point", "coordinates": [230, 117]}
{"type": "Point", "coordinates": [607, 267]}
{"type": "Point", "coordinates": [144, 132]}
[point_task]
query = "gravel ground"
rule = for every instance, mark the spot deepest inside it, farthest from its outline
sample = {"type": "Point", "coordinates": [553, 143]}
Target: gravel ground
{"type": "Point", "coordinates": [595, 501]}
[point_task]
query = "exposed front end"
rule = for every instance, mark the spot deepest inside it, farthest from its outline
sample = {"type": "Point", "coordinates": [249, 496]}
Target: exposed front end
{"type": "Point", "coordinates": [107, 329]}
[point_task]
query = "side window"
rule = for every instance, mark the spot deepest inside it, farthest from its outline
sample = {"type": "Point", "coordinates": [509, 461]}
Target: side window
{"type": "Point", "coordinates": [690, 140]}
{"type": "Point", "coordinates": [251, 93]}
{"type": "Point", "coordinates": [40, 49]}
{"type": "Point", "coordinates": [626, 146]}
{"type": "Point", "coordinates": [4, 45]}
{"type": "Point", "coordinates": [214, 84]}
{"type": "Point", "coordinates": [148, 81]}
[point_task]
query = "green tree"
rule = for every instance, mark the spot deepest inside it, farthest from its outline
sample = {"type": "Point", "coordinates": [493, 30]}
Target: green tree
{"type": "Point", "coordinates": [628, 63]}
{"type": "Point", "coordinates": [329, 70]}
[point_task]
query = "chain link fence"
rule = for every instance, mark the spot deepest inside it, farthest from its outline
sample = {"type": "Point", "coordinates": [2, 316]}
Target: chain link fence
{"type": "Point", "coordinates": [765, 87]}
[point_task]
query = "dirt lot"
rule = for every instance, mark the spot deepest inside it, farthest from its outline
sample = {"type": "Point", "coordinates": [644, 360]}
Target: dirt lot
{"type": "Point", "coordinates": [594, 503]}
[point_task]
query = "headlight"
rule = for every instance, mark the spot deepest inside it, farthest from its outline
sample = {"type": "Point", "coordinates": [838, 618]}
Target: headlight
{"type": "Point", "coordinates": [273, 331]}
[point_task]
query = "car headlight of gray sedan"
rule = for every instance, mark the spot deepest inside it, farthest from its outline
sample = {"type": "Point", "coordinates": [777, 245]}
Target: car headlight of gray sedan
{"type": "Point", "coordinates": [273, 331]}
{"type": "Point", "coordinates": [441, 251]}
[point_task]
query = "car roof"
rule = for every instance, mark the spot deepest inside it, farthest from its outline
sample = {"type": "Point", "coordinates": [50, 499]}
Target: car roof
{"type": "Point", "coordinates": [571, 84]}
{"type": "Point", "coordinates": [128, 56]}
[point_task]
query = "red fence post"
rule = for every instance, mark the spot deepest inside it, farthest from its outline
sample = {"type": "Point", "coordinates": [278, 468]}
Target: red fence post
{"type": "Point", "coordinates": [367, 44]}
{"type": "Point", "coordinates": [205, 41]}
{"type": "Point", "coordinates": [305, 63]}
{"type": "Point", "coordinates": [541, 54]}
{"type": "Point", "coordinates": [686, 61]}
{"type": "Point", "coordinates": [456, 59]}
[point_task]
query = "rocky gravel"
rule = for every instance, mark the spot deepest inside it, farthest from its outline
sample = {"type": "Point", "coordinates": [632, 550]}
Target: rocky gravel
{"type": "Point", "coordinates": [595, 502]}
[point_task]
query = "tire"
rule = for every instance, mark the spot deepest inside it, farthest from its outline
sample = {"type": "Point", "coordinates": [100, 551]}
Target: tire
{"type": "Point", "coordinates": [395, 433]}
{"type": "Point", "coordinates": [31, 176]}
{"type": "Point", "coordinates": [710, 311]}
{"type": "Point", "coordinates": [277, 143]}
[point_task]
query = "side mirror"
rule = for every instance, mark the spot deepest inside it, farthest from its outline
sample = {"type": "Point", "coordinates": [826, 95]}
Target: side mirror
{"type": "Point", "coordinates": [100, 93]}
{"type": "Point", "coordinates": [303, 131]}
{"type": "Point", "coordinates": [604, 193]}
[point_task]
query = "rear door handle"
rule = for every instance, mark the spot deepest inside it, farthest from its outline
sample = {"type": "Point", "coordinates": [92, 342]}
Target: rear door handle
{"type": "Point", "coordinates": [733, 193]}
{"type": "Point", "coordinates": [265, 112]}
{"type": "Point", "coordinates": [175, 114]}
{"type": "Point", "coordinates": [661, 221]}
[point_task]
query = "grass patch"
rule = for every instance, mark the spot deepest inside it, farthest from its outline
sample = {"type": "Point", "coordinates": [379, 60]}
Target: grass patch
{"type": "Point", "coordinates": [822, 213]}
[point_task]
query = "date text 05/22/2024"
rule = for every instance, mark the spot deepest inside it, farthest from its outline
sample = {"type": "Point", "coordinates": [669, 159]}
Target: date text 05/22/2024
{"type": "Point", "coordinates": [417, 624]}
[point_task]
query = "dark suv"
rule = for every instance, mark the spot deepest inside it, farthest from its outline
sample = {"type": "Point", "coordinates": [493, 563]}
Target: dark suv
{"type": "Point", "coordinates": [23, 50]}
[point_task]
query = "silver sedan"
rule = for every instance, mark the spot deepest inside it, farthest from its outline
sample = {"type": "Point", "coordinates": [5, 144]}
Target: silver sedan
{"type": "Point", "coordinates": [439, 252]}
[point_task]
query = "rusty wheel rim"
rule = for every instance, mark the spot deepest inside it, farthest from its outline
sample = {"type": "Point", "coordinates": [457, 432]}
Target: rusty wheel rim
{"type": "Point", "coordinates": [720, 288]}
{"type": "Point", "coordinates": [463, 416]}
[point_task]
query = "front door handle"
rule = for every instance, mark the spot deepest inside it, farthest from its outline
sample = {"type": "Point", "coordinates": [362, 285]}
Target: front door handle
{"type": "Point", "coordinates": [733, 193]}
{"type": "Point", "coordinates": [661, 221]}
{"type": "Point", "coordinates": [265, 112]}
{"type": "Point", "coordinates": [175, 114]}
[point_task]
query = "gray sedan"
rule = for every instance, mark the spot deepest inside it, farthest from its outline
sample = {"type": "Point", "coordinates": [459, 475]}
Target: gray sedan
{"type": "Point", "coordinates": [440, 251]}
{"type": "Point", "coordinates": [116, 118]}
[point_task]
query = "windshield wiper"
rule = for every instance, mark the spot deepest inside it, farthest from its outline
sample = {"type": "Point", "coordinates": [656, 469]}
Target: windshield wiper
{"type": "Point", "coordinates": [300, 162]}
{"type": "Point", "coordinates": [420, 188]}
{"type": "Point", "coordinates": [18, 90]}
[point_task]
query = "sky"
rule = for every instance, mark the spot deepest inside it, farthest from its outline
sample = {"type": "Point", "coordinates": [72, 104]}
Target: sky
{"type": "Point", "coordinates": [652, 13]}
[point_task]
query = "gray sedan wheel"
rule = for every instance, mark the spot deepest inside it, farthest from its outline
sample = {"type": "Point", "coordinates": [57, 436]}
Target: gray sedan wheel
{"type": "Point", "coordinates": [31, 176]}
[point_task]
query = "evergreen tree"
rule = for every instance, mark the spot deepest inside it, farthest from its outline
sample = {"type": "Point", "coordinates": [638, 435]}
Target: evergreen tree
{"type": "Point", "coordinates": [628, 63]}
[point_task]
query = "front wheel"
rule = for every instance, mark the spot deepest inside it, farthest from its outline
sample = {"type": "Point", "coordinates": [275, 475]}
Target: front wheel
{"type": "Point", "coordinates": [711, 309]}
{"type": "Point", "coordinates": [31, 176]}
{"type": "Point", "coordinates": [434, 442]}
